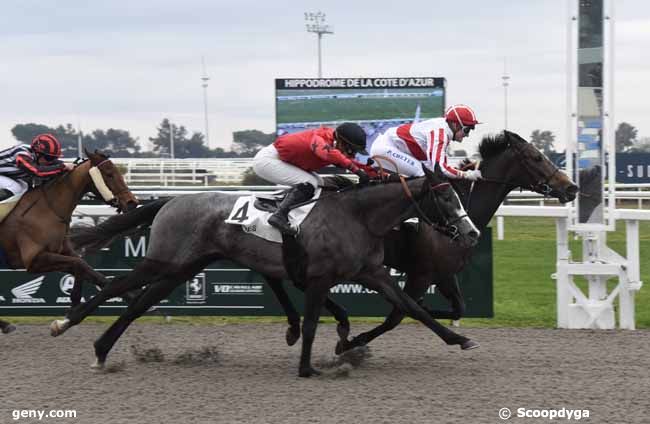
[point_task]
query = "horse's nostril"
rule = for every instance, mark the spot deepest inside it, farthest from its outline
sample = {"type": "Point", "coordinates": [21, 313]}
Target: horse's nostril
{"type": "Point", "coordinates": [572, 189]}
{"type": "Point", "coordinates": [474, 234]}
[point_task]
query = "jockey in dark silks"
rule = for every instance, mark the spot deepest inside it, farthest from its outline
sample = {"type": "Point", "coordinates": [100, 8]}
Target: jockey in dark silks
{"type": "Point", "coordinates": [293, 159]}
{"type": "Point", "coordinates": [20, 165]}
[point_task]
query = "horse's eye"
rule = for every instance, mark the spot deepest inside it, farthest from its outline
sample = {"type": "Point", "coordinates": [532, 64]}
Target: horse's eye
{"type": "Point", "coordinates": [538, 158]}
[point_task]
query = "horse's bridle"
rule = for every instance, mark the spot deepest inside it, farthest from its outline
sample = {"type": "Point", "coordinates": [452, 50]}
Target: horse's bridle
{"type": "Point", "coordinates": [541, 185]}
{"type": "Point", "coordinates": [114, 201]}
{"type": "Point", "coordinates": [448, 228]}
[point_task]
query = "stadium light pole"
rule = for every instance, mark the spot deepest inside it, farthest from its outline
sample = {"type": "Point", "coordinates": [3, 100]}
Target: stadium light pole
{"type": "Point", "coordinates": [505, 78]}
{"type": "Point", "coordinates": [204, 84]}
{"type": "Point", "coordinates": [315, 23]}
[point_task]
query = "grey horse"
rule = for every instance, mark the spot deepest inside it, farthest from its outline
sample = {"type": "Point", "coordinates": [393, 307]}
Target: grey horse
{"type": "Point", "coordinates": [340, 240]}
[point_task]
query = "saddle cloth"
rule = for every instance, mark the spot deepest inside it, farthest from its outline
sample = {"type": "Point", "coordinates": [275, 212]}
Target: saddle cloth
{"type": "Point", "coordinates": [253, 220]}
{"type": "Point", "coordinates": [8, 205]}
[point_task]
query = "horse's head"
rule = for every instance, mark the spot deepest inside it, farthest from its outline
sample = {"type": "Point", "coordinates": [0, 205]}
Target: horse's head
{"type": "Point", "coordinates": [441, 205]}
{"type": "Point", "coordinates": [109, 184]}
{"type": "Point", "coordinates": [523, 165]}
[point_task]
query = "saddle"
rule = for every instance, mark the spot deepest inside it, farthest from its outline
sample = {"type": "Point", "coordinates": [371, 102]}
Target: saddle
{"type": "Point", "coordinates": [270, 203]}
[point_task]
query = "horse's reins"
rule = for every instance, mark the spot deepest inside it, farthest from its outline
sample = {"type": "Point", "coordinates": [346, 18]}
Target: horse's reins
{"type": "Point", "coordinates": [49, 202]}
{"type": "Point", "coordinates": [541, 187]}
{"type": "Point", "coordinates": [449, 228]}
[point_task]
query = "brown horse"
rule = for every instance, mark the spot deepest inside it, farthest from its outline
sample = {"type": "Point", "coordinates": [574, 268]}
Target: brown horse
{"type": "Point", "coordinates": [33, 235]}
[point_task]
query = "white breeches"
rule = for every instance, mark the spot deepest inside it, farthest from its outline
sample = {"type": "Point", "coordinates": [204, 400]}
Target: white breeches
{"type": "Point", "coordinates": [407, 165]}
{"type": "Point", "coordinates": [268, 165]}
{"type": "Point", "coordinates": [15, 186]}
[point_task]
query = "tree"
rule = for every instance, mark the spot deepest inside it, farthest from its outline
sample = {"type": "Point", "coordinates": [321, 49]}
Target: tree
{"type": "Point", "coordinates": [114, 142]}
{"type": "Point", "coordinates": [251, 178]}
{"type": "Point", "coordinates": [248, 142]}
{"type": "Point", "coordinates": [543, 140]}
{"type": "Point", "coordinates": [641, 146]}
{"type": "Point", "coordinates": [625, 136]}
{"type": "Point", "coordinates": [193, 147]}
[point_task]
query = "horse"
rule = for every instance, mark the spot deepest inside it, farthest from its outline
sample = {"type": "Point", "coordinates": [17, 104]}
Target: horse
{"type": "Point", "coordinates": [591, 192]}
{"type": "Point", "coordinates": [341, 239]}
{"type": "Point", "coordinates": [426, 256]}
{"type": "Point", "coordinates": [33, 235]}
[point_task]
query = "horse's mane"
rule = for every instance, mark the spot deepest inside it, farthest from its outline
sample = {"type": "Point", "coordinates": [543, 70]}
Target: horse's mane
{"type": "Point", "coordinates": [493, 145]}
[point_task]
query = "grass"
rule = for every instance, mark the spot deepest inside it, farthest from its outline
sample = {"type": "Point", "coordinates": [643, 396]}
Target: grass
{"type": "Point", "coordinates": [524, 293]}
{"type": "Point", "coordinates": [326, 110]}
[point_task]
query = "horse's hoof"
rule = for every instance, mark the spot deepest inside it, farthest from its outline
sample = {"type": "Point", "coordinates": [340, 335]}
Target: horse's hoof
{"type": "Point", "coordinates": [98, 365]}
{"type": "Point", "coordinates": [292, 336]}
{"type": "Point", "coordinates": [59, 327]}
{"type": "Point", "coordinates": [308, 372]}
{"type": "Point", "coordinates": [10, 328]}
{"type": "Point", "coordinates": [342, 346]}
{"type": "Point", "coordinates": [470, 344]}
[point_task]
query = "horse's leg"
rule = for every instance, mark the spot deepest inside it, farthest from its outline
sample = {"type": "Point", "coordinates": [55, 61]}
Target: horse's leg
{"type": "Point", "coordinates": [48, 261]}
{"type": "Point", "coordinates": [448, 286]}
{"type": "Point", "coordinates": [315, 296]}
{"type": "Point", "coordinates": [151, 296]}
{"type": "Point", "coordinates": [293, 317]}
{"type": "Point", "coordinates": [379, 279]}
{"type": "Point", "coordinates": [416, 286]}
{"type": "Point", "coordinates": [6, 327]}
{"type": "Point", "coordinates": [78, 313]}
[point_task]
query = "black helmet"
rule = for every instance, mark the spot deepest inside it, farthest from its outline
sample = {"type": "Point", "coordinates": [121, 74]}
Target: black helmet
{"type": "Point", "coordinates": [352, 135]}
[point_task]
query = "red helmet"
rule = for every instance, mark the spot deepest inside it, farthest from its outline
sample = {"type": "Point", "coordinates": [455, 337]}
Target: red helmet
{"type": "Point", "coordinates": [462, 114]}
{"type": "Point", "coordinates": [47, 144]}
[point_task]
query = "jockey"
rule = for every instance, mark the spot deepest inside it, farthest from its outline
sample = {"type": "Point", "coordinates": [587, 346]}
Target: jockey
{"type": "Point", "coordinates": [293, 158]}
{"type": "Point", "coordinates": [426, 142]}
{"type": "Point", "coordinates": [20, 164]}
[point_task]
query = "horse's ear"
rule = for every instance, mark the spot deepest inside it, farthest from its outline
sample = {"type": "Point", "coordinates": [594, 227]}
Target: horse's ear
{"type": "Point", "coordinates": [86, 152]}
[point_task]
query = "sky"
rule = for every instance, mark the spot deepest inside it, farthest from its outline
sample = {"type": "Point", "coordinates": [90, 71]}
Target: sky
{"type": "Point", "coordinates": [129, 64]}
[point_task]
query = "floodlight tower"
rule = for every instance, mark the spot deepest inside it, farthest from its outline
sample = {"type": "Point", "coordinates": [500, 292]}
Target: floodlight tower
{"type": "Point", "coordinates": [315, 23]}
{"type": "Point", "coordinates": [204, 84]}
{"type": "Point", "coordinates": [505, 78]}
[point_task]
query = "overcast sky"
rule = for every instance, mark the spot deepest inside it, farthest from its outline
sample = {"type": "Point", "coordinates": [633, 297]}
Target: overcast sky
{"type": "Point", "coordinates": [129, 64]}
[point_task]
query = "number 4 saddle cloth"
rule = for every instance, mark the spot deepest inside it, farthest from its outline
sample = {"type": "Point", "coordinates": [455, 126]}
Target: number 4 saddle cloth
{"type": "Point", "coordinates": [252, 212]}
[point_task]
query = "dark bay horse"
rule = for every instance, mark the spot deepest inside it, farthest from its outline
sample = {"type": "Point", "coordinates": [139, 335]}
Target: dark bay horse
{"type": "Point", "coordinates": [341, 239]}
{"type": "Point", "coordinates": [33, 234]}
{"type": "Point", "coordinates": [428, 257]}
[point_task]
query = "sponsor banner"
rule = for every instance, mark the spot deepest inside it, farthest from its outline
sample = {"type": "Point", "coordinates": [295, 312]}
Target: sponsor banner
{"type": "Point", "coordinates": [224, 288]}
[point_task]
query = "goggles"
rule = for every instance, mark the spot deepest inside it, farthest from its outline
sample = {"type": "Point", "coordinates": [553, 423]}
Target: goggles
{"type": "Point", "coordinates": [465, 129]}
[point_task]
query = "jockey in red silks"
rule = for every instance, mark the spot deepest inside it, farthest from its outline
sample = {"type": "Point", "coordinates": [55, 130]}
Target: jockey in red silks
{"type": "Point", "coordinates": [20, 164]}
{"type": "Point", "coordinates": [293, 159]}
{"type": "Point", "coordinates": [426, 142]}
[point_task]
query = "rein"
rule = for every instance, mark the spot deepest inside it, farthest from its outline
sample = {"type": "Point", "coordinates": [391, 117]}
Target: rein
{"type": "Point", "coordinates": [542, 186]}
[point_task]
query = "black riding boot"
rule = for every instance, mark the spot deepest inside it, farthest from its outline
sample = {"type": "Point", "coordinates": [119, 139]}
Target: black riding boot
{"type": "Point", "coordinates": [5, 194]}
{"type": "Point", "coordinates": [298, 194]}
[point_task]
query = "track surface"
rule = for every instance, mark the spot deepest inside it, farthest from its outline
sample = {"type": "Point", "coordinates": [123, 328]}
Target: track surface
{"type": "Point", "coordinates": [246, 374]}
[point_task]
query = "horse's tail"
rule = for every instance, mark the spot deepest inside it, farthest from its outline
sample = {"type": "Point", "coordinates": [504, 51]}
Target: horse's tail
{"type": "Point", "coordinates": [95, 237]}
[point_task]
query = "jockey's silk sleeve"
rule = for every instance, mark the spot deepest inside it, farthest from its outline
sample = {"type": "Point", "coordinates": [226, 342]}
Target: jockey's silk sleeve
{"type": "Point", "coordinates": [27, 163]}
{"type": "Point", "coordinates": [329, 153]}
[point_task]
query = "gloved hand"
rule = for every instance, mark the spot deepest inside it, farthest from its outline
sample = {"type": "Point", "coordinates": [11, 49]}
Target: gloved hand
{"type": "Point", "coordinates": [472, 175]}
{"type": "Point", "coordinates": [363, 176]}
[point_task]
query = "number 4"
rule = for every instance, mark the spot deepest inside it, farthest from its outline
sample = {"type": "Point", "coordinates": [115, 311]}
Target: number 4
{"type": "Point", "coordinates": [242, 213]}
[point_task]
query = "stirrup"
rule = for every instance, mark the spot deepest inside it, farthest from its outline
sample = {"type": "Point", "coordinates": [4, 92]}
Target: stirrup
{"type": "Point", "coordinates": [284, 226]}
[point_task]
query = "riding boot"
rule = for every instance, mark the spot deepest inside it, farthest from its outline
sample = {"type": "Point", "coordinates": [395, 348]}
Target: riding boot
{"type": "Point", "coordinates": [5, 194]}
{"type": "Point", "coordinates": [298, 194]}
